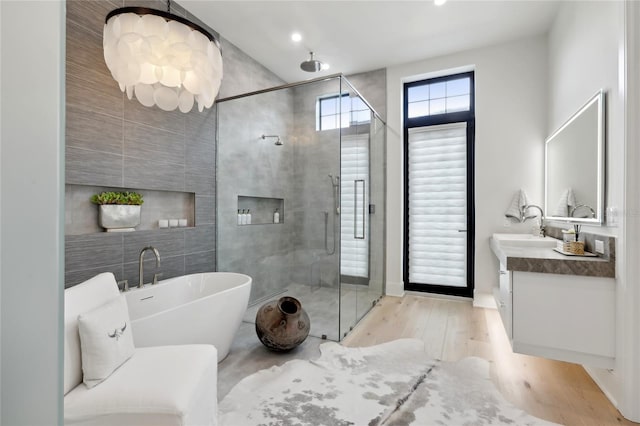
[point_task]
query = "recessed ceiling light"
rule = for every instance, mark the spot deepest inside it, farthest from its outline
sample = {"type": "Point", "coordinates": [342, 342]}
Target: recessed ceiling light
{"type": "Point", "coordinates": [296, 37]}
{"type": "Point", "coordinates": [439, 2]}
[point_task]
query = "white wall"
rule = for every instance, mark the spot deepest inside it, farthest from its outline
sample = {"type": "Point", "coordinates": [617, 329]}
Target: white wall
{"type": "Point", "coordinates": [31, 213]}
{"type": "Point", "coordinates": [586, 53]}
{"type": "Point", "coordinates": [629, 299]}
{"type": "Point", "coordinates": [511, 100]}
{"type": "Point", "coordinates": [585, 46]}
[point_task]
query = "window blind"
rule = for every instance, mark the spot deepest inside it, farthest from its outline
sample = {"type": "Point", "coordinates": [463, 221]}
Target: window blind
{"type": "Point", "coordinates": [437, 199]}
{"type": "Point", "coordinates": [354, 205]}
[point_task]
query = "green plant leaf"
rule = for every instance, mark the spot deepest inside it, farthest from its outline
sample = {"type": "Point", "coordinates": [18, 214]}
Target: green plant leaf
{"type": "Point", "coordinates": [125, 198]}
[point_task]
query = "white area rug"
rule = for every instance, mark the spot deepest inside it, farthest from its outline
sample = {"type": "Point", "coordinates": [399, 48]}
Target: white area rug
{"type": "Point", "coordinates": [389, 384]}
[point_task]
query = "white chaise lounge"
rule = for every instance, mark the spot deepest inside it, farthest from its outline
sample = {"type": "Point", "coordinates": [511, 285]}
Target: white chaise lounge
{"type": "Point", "coordinates": [165, 385]}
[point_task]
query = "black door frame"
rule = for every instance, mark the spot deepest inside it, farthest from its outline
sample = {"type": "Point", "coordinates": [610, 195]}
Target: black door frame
{"type": "Point", "coordinates": [455, 117]}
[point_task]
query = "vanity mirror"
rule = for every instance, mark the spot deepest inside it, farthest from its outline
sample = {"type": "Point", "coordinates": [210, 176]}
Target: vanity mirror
{"type": "Point", "coordinates": [574, 166]}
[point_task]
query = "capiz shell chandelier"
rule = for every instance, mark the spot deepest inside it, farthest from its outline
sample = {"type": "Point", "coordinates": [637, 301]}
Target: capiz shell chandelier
{"type": "Point", "coordinates": [162, 59]}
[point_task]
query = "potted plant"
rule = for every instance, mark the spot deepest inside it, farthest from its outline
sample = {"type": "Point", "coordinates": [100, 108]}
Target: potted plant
{"type": "Point", "coordinates": [119, 211]}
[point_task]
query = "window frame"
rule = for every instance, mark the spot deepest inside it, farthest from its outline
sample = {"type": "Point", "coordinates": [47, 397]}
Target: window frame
{"type": "Point", "coordinates": [339, 97]}
{"type": "Point", "coordinates": [444, 118]}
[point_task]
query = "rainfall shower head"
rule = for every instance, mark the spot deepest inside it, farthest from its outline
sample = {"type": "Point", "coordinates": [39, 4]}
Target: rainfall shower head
{"type": "Point", "coordinates": [278, 140]}
{"type": "Point", "coordinates": [311, 65]}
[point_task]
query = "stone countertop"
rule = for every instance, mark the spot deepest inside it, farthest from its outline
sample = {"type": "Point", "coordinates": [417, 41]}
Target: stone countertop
{"type": "Point", "coordinates": [546, 260]}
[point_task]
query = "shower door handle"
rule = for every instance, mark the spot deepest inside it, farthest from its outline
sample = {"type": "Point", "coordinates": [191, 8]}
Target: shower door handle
{"type": "Point", "coordinates": [358, 183]}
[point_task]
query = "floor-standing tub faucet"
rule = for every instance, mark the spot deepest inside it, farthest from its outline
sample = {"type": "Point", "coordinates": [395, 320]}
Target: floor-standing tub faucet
{"type": "Point", "coordinates": [141, 260]}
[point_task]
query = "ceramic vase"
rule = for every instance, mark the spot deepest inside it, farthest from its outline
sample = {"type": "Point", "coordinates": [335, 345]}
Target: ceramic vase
{"type": "Point", "coordinates": [282, 324]}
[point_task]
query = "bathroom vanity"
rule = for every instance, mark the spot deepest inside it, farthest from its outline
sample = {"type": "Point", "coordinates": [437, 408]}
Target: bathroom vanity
{"type": "Point", "coordinates": [555, 306]}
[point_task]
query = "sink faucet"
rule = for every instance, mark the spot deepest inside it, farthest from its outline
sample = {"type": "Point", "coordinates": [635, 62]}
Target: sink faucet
{"type": "Point", "coordinates": [155, 251]}
{"type": "Point", "coordinates": [528, 206]}
{"type": "Point", "coordinates": [573, 210]}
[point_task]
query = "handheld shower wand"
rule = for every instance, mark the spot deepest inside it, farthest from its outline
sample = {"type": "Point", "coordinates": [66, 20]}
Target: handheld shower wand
{"type": "Point", "coordinates": [335, 181]}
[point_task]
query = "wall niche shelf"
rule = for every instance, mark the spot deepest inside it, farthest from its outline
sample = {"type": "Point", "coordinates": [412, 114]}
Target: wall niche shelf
{"type": "Point", "coordinates": [81, 216]}
{"type": "Point", "coordinates": [261, 208]}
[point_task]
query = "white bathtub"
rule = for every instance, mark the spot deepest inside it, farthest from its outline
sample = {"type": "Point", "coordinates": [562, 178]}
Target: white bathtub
{"type": "Point", "coordinates": [199, 308]}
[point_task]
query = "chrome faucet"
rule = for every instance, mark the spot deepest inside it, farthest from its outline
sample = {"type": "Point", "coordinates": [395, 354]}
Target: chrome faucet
{"type": "Point", "coordinates": [527, 207]}
{"type": "Point", "coordinates": [141, 260]}
{"type": "Point", "coordinates": [573, 210]}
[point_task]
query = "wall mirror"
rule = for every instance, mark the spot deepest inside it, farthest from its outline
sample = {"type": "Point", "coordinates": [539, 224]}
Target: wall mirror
{"type": "Point", "coordinates": [574, 166]}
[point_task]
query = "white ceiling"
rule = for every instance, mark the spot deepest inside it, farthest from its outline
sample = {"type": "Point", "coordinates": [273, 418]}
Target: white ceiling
{"type": "Point", "coordinates": [357, 36]}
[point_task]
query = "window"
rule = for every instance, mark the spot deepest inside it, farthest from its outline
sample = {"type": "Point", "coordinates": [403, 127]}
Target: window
{"type": "Point", "coordinates": [439, 97]}
{"type": "Point", "coordinates": [354, 205]}
{"type": "Point", "coordinates": [341, 111]}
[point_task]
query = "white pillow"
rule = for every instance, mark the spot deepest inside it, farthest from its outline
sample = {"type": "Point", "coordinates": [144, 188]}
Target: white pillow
{"type": "Point", "coordinates": [106, 341]}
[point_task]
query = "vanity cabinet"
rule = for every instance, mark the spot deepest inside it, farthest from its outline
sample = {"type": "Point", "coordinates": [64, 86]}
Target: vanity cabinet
{"type": "Point", "coordinates": [556, 306]}
{"type": "Point", "coordinates": [564, 317]}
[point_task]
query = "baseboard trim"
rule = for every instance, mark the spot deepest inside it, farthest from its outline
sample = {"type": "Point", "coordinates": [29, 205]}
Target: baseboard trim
{"type": "Point", "coordinates": [394, 289]}
{"type": "Point", "coordinates": [484, 300]}
{"type": "Point", "coordinates": [596, 375]}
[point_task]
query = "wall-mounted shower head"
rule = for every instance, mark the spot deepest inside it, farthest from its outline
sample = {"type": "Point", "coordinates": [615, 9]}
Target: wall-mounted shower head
{"type": "Point", "coordinates": [278, 140]}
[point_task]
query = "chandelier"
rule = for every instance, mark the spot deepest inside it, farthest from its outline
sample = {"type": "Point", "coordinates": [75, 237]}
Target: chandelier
{"type": "Point", "coordinates": [162, 59]}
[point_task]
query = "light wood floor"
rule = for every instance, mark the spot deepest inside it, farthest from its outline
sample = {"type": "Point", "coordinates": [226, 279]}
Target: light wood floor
{"type": "Point", "coordinates": [556, 391]}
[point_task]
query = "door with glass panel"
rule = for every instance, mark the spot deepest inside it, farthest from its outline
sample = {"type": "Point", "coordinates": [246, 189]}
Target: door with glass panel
{"type": "Point", "coordinates": [439, 214]}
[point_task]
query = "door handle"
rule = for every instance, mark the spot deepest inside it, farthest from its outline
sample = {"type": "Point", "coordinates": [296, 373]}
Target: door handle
{"type": "Point", "coordinates": [462, 230]}
{"type": "Point", "coordinates": [358, 183]}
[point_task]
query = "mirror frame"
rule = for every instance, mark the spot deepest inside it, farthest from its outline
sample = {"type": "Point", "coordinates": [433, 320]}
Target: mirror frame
{"type": "Point", "coordinates": [599, 99]}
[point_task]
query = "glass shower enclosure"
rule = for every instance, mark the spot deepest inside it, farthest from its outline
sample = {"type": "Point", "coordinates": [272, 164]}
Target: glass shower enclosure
{"type": "Point", "coordinates": [306, 162]}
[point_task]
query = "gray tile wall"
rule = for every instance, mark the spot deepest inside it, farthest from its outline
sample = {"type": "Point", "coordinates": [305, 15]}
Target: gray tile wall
{"type": "Point", "coordinates": [115, 142]}
{"type": "Point", "coordinates": [252, 167]}
{"type": "Point", "coordinates": [316, 155]}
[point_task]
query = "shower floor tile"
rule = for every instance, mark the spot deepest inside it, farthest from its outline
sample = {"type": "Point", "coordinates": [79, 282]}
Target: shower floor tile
{"type": "Point", "coordinates": [322, 304]}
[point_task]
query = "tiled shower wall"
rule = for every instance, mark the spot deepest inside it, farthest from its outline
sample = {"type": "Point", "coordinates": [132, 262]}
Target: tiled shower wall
{"type": "Point", "coordinates": [254, 167]}
{"type": "Point", "coordinates": [114, 142]}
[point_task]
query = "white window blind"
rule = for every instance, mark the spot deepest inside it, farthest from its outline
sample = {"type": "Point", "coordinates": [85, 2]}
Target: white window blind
{"type": "Point", "coordinates": [354, 205]}
{"type": "Point", "coordinates": [437, 194]}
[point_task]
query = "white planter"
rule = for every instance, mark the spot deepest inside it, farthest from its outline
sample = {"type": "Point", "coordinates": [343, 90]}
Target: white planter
{"type": "Point", "coordinates": [119, 218]}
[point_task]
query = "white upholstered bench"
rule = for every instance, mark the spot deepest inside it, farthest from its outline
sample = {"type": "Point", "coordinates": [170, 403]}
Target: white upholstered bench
{"type": "Point", "coordinates": [164, 385]}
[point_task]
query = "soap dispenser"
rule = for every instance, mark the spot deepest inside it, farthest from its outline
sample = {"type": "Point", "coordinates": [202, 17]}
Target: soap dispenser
{"type": "Point", "coordinates": [276, 216]}
{"type": "Point", "coordinates": [243, 218]}
{"type": "Point", "coordinates": [248, 217]}
{"type": "Point", "coordinates": [239, 218]}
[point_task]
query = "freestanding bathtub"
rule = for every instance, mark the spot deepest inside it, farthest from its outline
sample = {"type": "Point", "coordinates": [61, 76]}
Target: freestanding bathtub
{"type": "Point", "coordinates": [199, 308]}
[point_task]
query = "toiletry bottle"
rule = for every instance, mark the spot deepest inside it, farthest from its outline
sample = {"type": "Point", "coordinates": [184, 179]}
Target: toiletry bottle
{"type": "Point", "coordinates": [276, 216]}
{"type": "Point", "coordinates": [248, 217]}
{"type": "Point", "coordinates": [243, 217]}
{"type": "Point", "coordinates": [239, 218]}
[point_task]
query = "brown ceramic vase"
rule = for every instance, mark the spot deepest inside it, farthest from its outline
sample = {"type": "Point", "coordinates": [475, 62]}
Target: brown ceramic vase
{"type": "Point", "coordinates": [282, 324]}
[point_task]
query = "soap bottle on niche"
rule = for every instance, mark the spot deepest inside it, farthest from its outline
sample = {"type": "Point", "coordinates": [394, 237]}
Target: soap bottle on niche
{"type": "Point", "coordinates": [243, 217]}
{"type": "Point", "coordinates": [239, 218]}
{"type": "Point", "coordinates": [248, 217]}
{"type": "Point", "coordinates": [276, 216]}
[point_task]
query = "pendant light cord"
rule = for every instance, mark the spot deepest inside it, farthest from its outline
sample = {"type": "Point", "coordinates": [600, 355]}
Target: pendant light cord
{"type": "Point", "coordinates": [168, 6]}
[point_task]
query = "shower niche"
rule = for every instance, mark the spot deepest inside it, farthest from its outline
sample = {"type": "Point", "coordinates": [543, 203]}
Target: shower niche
{"type": "Point", "coordinates": [328, 249]}
{"type": "Point", "coordinates": [262, 209]}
